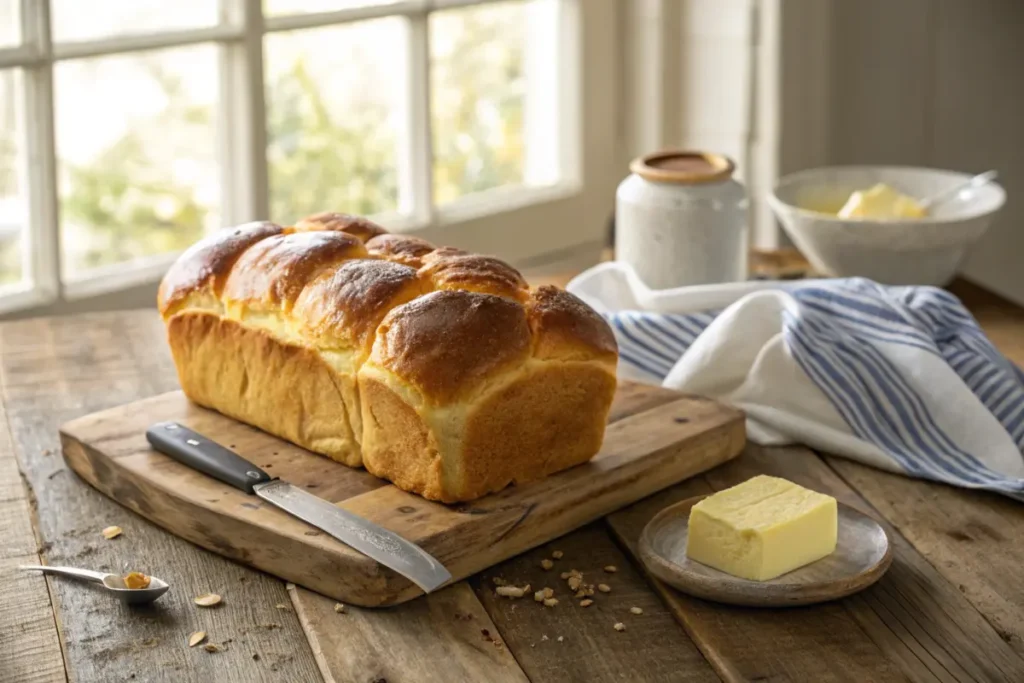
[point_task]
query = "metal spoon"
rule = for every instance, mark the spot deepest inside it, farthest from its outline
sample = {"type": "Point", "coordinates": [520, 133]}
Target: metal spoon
{"type": "Point", "coordinates": [940, 197]}
{"type": "Point", "coordinates": [113, 583]}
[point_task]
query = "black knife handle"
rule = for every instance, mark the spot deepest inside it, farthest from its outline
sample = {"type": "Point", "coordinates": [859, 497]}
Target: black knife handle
{"type": "Point", "coordinates": [209, 457]}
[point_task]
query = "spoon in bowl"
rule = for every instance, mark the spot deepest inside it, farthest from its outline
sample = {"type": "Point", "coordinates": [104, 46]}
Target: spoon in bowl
{"type": "Point", "coordinates": [113, 583]}
{"type": "Point", "coordinates": [930, 203]}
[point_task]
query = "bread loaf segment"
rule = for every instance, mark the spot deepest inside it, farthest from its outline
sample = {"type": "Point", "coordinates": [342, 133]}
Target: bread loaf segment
{"type": "Point", "coordinates": [437, 369]}
{"type": "Point", "coordinates": [201, 272]}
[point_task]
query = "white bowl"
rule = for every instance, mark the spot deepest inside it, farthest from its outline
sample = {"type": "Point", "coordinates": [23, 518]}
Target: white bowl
{"type": "Point", "coordinates": [921, 251]}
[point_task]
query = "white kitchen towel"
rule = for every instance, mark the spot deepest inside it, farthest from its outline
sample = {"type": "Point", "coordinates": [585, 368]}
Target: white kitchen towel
{"type": "Point", "coordinates": [900, 378]}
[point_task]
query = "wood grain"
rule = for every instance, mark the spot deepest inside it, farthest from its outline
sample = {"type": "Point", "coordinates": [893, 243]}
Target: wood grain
{"type": "Point", "coordinates": [975, 539]}
{"type": "Point", "coordinates": [651, 648]}
{"type": "Point", "coordinates": [913, 624]}
{"type": "Point", "coordinates": [443, 637]}
{"type": "Point", "coordinates": [53, 370]}
{"type": "Point", "coordinates": [861, 557]}
{"type": "Point", "coordinates": [29, 644]}
{"type": "Point", "coordinates": [644, 451]}
{"type": "Point", "coordinates": [820, 643]}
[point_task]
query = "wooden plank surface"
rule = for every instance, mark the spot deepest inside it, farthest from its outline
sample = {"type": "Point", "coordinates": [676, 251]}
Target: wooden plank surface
{"type": "Point", "coordinates": [572, 643]}
{"type": "Point", "coordinates": [444, 637]}
{"type": "Point", "coordinates": [642, 452]}
{"type": "Point", "coordinates": [29, 644]}
{"type": "Point", "coordinates": [975, 539]}
{"type": "Point", "coordinates": [912, 625]}
{"type": "Point", "coordinates": [919, 623]}
{"type": "Point", "coordinates": [53, 370]}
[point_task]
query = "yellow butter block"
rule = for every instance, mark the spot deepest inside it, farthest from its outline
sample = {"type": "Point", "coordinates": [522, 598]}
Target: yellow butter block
{"type": "Point", "coordinates": [762, 528]}
{"type": "Point", "coordinates": [881, 201]}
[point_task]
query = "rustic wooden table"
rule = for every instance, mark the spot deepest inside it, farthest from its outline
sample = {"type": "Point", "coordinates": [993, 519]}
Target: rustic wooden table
{"type": "Point", "coordinates": [951, 608]}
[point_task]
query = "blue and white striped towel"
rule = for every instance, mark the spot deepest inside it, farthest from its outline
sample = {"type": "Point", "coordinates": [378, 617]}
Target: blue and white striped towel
{"type": "Point", "coordinates": [901, 378]}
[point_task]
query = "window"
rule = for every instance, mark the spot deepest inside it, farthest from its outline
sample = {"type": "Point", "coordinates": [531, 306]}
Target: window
{"type": "Point", "coordinates": [131, 128]}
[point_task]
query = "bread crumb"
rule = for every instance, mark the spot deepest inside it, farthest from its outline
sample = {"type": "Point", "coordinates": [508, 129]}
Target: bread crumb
{"type": "Point", "coordinates": [550, 602]}
{"type": "Point", "coordinates": [510, 591]}
{"type": "Point", "coordinates": [586, 603]}
{"type": "Point", "coordinates": [212, 647]}
{"type": "Point", "coordinates": [339, 608]}
{"type": "Point", "coordinates": [196, 638]}
{"type": "Point", "coordinates": [581, 593]}
{"type": "Point", "coordinates": [619, 626]}
{"type": "Point", "coordinates": [283, 606]}
{"type": "Point", "coordinates": [574, 583]}
{"type": "Point", "coordinates": [549, 593]}
{"type": "Point", "coordinates": [546, 564]}
{"type": "Point", "coordinates": [611, 569]}
{"type": "Point", "coordinates": [543, 637]}
{"type": "Point", "coordinates": [565, 575]}
{"type": "Point", "coordinates": [561, 638]}
{"type": "Point", "coordinates": [557, 554]}
{"type": "Point", "coordinates": [636, 610]}
{"type": "Point", "coordinates": [207, 600]}
{"type": "Point", "coordinates": [539, 596]}
{"type": "Point", "coordinates": [604, 588]}
{"type": "Point", "coordinates": [111, 532]}
{"type": "Point", "coordinates": [576, 573]}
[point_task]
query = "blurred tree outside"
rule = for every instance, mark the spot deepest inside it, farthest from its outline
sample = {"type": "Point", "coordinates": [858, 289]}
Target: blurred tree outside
{"type": "Point", "coordinates": [321, 164]}
{"type": "Point", "coordinates": [477, 91]}
{"type": "Point", "coordinates": [121, 205]}
{"type": "Point", "coordinates": [10, 247]}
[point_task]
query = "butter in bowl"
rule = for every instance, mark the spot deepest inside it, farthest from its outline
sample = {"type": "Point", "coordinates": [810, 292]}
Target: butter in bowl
{"type": "Point", "coordinates": [868, 221]}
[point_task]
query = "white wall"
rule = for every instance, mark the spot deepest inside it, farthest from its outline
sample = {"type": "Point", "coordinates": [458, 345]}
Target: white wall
{"type": "Point", "coordinates": [937, 83]}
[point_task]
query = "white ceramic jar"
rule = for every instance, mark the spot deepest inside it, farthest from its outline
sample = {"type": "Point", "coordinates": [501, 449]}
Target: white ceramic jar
{"type": "Point", "coordinates": [681, 219]}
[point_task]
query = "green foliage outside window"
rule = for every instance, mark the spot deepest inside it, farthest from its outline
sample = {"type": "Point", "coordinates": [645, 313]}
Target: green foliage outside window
{"type": "Point", "coordinates": [128, 207]}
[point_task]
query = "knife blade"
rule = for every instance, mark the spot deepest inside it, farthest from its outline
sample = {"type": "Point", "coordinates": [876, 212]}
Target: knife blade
{"type": "Point", "coordinates": [391, 550]}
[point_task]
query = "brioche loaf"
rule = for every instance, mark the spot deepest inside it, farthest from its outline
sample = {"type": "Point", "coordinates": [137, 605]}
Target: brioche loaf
{"type": "Point", "coordinates": [436, 369]}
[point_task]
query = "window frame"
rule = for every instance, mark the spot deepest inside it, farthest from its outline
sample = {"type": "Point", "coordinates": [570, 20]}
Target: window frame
{"type": "Point", "coordinates": [524, 224]}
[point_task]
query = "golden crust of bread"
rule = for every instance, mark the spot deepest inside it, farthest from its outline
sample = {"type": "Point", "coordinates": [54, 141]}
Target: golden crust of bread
{"type": "Point", "coordinates": [345, 305]}
{"type": "Point", "coordinates": [564, 327]}
{"type": "Point", "coordinates": [205, 266]}
{"type": "Point", "coordinates": [357, 226]}
{"type": "Point", "coordinates": [404, 249]}
{"type": "Point", "coordinates": [284, 389]}
{"type": "Point", "coordinates": [274, 271]}
{"type": "Point", "coordinates": [473, 273]}
{"type": "Point", "coordinates": [439, 370]}
{"type": "Point", "coordinates": [448, 343]}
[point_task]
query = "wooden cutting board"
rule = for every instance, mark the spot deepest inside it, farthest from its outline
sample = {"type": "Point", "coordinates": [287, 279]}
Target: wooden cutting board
{"type": "Point", "coordinates": [655, 438]}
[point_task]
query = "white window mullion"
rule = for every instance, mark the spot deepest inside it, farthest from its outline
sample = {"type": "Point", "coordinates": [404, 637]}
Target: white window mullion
{"type": "Point", "coordinates": [242, 126]}
{"type": "Point", "coordinates": [42, 240]}
{"type": "Point", "coordinates": [415, 156]}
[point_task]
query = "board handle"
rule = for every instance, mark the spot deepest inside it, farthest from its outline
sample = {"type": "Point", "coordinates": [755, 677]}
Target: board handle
{"type": "Point", "coordinates": [207, 456]}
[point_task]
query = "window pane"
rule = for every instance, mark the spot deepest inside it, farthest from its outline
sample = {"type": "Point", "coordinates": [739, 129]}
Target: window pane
{"type": "Point", "coordinates": [308, 6]}
{"type": "Point", "coordinates": [480, 92]}
{"type": "Point", "coordinates": [10, 22]}
{"type": "Point", "coordinates": [13, 216]}
{"type": "Point", "coordinates": [93, 19]}
{"type": "Point", "coordinates": [136, 144]}
{"type": "Point", "coordinates": [332, 119]}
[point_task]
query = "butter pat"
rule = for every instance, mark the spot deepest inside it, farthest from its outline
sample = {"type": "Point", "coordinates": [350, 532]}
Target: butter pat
{"type": "Point", "coordinates": [881, 201]}
{"type": "Point", "coordinates": [762, 528]}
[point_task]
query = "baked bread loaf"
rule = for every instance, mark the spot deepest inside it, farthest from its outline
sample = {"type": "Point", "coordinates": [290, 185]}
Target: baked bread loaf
{"type": "Point", "coordinates": [436, 369]}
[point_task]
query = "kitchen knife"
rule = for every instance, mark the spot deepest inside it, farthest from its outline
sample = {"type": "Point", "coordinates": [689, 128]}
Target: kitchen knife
{"type": "Point", "coordinates": [391, 550]}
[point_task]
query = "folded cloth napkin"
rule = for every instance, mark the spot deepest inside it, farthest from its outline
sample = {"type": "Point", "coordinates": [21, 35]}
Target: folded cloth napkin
{"type": "Point", "coordinates": [900, 378]}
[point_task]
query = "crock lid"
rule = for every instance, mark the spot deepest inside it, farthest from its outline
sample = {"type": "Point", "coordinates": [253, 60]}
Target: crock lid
{"type": "Point", "coordinates": [683, 167]}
